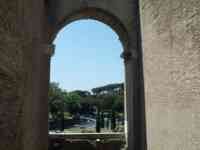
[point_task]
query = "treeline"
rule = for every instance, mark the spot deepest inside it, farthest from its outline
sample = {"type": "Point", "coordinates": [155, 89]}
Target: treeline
{"type": "Point", "coordinates": [101, 101]}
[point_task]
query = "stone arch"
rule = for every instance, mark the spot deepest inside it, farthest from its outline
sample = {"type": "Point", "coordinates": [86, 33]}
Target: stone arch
{"type": "Point", "coordinates": [102, 16]}
{"type": "Point", "coordinates": [123, 18]}
{"type": "Point", "coordinates": [97, 14]}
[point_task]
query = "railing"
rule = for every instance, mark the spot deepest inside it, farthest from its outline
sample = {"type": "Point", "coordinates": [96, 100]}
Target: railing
{"type": "Point", "coordinates": [86, 141]}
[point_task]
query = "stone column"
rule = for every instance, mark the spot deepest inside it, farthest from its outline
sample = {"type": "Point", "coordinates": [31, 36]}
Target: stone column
{"type": "Point", "coordinates": [130, 89]}
{"type": "Point", "coordinates": [134, 103]}
{"type": "Point", "coordinates": [36, 108]}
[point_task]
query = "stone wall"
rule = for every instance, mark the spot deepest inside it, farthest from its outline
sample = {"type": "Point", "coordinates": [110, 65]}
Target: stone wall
{"type": "Point", "coordinates": [171, 47]}
{"type": "Point", "coordinates": [11, 72]}
{"type": "Point", "coordinates": [21, 37]}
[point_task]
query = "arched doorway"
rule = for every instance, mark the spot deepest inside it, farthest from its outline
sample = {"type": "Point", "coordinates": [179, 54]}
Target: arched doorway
{"type": "Point", "coordinates": [87, 65]}
{"type": "Point", "coordinates": [129, 34]}
{"type": "Point", "coordinates": [87, 56]}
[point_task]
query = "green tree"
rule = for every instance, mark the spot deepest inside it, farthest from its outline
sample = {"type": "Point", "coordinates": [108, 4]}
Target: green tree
{"type": "Point", "coordinates": [56, 100]}
{"type": "Point", "coordinates": [72, 101]}
{"type": "Point", "coordinates": [57, 103]}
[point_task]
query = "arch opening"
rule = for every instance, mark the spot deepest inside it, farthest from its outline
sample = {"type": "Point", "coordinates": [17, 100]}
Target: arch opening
{"type": "Point", "coordinates": [119, 86]}
{"type": "Point", "coordinates": [108, 19]}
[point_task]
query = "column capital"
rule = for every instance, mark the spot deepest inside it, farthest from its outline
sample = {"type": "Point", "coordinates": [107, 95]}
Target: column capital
{"type": "Point", "coordinates": [129, 55]}
{"type": "Point", "coordinates": [49, 49]}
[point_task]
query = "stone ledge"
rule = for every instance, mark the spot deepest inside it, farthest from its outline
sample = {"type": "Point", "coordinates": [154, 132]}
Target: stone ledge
{"type": "Point", "coordinates": [87, 141]}
{"type": "Point", "coordinates": [89, 136]}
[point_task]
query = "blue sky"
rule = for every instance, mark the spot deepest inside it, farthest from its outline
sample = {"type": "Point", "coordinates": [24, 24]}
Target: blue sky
{"type": "Point", "coordinates": [87, 55]}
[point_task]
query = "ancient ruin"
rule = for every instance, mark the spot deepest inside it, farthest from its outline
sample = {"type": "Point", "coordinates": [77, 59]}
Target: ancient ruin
{"type": "Point", "coordinates": [161, 41]}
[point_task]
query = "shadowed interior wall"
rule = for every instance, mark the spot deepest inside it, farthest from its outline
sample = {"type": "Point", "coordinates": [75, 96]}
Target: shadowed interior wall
{"type": "Point", "coordinates": [11, 72]}
{"type": "Point", "coordinates": [21, 50]}
{"type": "Point", "coordinates": [171, 47]}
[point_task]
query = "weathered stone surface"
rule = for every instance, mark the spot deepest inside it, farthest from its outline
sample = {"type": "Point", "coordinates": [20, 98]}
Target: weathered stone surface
{"type": "Point", "coordinates": [111, 12]}
{"type": "Point", "coordinates": [11, 70]}
{"type": "Point", "coordinates": [8, 16]}
{"type": "Point", "coordinates": [17, 38]}
{"type": "Point", "coordinates": [171, 41]}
